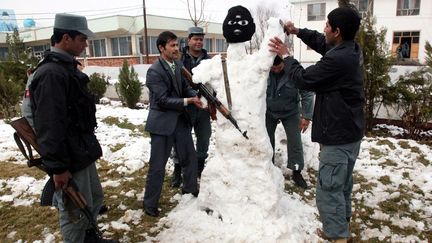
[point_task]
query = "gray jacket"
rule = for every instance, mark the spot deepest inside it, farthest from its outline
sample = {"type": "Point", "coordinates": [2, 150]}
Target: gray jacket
{"type": "Point", "coordinates": [283, 98]}
{"type": "Point", "coordinates": [167, 93]}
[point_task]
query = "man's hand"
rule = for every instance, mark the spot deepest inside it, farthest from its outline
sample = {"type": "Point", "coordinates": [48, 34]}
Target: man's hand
{"type": "Point", "coordinates": [277, 46]}
{"type": "Point", "coordinates": [195, 101]}
{"type": "Point", "coordinates": [290, 28]}
{"type": "Point", "coordinates": [304, 124]}
{"type": "Point", "coordinates": [61, 180]}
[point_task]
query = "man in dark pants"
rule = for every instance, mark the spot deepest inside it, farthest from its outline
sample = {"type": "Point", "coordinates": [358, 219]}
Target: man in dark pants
{"type": "Point", "coordinates": [192, 54]}
{"type": "Point", "coordinates": [338, 120]}
{"type": "Point", "coordinates": [63, 112]}
{"type": "Point", "coordinates": [283, 104]}
{"type": "Point", "coordinates": [168, 122]}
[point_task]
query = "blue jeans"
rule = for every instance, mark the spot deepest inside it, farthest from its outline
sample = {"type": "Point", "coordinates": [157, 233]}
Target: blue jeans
{"type": "Point", "coordinates": [73, 223]}
{"type": "Point", "coordinates": [334, 187]}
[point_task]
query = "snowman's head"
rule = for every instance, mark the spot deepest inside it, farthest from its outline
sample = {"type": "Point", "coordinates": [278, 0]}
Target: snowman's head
{"type": "Point", "coordinates": [238, 25]}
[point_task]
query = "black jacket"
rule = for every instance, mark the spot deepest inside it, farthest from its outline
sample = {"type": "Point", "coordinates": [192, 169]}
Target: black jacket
{"type": "Point", "coordinates": [64, 114]}
{"type": "Point", "coordinates": [337, 81]}
{"type": "Point", "coordinates": [190, 62]}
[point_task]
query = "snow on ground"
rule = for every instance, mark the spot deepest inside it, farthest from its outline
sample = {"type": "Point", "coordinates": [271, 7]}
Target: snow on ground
{"type": "Point", "coordinates": [404, 171]}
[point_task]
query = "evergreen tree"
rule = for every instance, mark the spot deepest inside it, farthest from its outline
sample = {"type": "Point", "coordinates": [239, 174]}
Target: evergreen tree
{"type": "Point", "coordinates": [97, 85]}
{"type": "Point", "coordinates": [377, 62]}
{"type": "Point", "coordinates": [14, 74]}
{"type": "Point", "coordinates": [129, 86]}
{"type": "Point", "coordinates": [428, 49]}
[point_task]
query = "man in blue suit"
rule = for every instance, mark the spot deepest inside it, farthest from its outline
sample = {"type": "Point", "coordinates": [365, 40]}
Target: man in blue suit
{"type": "Point", "coordinates": [168, 123]}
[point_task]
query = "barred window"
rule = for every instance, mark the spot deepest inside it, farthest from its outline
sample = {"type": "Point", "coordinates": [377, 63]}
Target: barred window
{"type": "Point", "coordinates": [316, 11]}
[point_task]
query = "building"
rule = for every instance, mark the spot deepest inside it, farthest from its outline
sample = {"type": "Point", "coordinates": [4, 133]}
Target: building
{"type": "Point", "coordinates": [408, 24]}
{"type": "Point", "coordinates": [120, 37]}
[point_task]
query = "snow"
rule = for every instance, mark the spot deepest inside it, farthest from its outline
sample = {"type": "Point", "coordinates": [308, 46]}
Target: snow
{"type": "Point", "coordinates": [242, 196]}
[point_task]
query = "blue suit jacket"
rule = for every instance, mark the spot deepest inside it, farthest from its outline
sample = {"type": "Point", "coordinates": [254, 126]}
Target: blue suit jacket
{"type": "Point", "coordinates": [167, 93]}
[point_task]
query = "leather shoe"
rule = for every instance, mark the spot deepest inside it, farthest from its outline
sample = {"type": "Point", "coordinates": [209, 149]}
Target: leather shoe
{"type": "Point", "coordinates": [195, 194]}
{"type": "Point", "coordinates": [298, 180]}
{"type": "Point", "coordinates": [151, 211]}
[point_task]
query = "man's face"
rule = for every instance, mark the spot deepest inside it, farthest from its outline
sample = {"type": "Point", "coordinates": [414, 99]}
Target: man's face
{"type": "Point", "coordinates": [330, 36]}
{"type": "Point", "coordinates": [196, 42]}
{"type": "Point", "coordinates": [277, 68]}
{"type": "Point", "coordinates": [170, 51]}
{"type": "Point", "coordinates": [76, 45]}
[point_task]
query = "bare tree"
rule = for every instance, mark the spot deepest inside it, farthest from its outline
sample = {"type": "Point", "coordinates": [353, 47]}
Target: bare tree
{"type": "Point", "coordinates": [196, 13]}
{"type": "Point", "coordinates": [261, 14]}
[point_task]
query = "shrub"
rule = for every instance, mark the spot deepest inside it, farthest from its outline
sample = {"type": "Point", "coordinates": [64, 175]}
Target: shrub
{"type": "Point", "coordinates": [98, 85]}
{"type": "Point", "coordinates": [412, 95]}
{"type": "Point", "coordinates": [10, 94]}
{"type": "Point", "coordinates": [128, 87]}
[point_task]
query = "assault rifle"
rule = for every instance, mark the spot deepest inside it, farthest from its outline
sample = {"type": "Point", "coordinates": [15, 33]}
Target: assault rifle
{"type": "Point", "coordinates": [211, 98]}
{"type": "Point", "coordinates": [24, 134]}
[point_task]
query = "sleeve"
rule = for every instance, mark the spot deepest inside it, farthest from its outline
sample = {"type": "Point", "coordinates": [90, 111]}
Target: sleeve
{"type": "Point", "coordinates": [50, 119]}
{"type": "Point", "coordinates": [314, 40]}
{"type": "Point", "coordinates": [320, 77]}
{"type": "Point", "coordinates": [159, 90]}
{"type": "Point", "coordinates": [307, 103]}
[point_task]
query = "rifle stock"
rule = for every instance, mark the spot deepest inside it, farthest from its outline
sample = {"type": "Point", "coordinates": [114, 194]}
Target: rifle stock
{"type": "Point", "coordinates": [211, 98]}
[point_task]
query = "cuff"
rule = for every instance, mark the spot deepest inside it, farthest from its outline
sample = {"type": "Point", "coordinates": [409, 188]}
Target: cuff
{"type": "Point", "coordinates": [185, 102]}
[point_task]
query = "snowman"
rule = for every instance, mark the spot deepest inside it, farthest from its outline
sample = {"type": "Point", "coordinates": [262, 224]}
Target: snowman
{"type": "Point", "coordinates": [241, 166]}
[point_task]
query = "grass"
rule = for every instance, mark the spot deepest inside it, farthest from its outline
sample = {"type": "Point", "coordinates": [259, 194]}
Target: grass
{"type": "Point", "coordinates": [12, 170]}
{"type": "Point", "coordinates": [29, 222]}
{"type": "Point", "coordinates": [386, 142]}
{"type": "Point", "coordinates": [138, 130]}
{"type": "Point", "coordinates": [375, 153]}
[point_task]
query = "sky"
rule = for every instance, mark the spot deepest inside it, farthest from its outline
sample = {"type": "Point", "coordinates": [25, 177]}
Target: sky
{"type": "Point", "coordinates": [43, 11]}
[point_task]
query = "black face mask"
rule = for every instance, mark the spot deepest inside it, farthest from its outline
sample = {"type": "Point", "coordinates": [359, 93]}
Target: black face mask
{"type": "Point", "coordinates": [238, 25]}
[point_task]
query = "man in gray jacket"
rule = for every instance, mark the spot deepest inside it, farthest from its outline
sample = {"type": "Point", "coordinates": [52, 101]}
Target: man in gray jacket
{"type": "Point", "coordinates": [338, 120]}
{"type": "Point", "coordinates": [168, 122]}
{"type": "Point", "coordinates": [283, 104]}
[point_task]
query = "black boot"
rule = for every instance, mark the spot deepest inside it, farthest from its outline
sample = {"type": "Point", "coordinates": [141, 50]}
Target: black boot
{"type": "Point", "coordinates": [201, 164]}
{"type": "Point", "coordinates": [298, 179]}
{"type": "Point", "coordinates": [92, 237]}
{"type": "Point", "coordinates": [176, 179]}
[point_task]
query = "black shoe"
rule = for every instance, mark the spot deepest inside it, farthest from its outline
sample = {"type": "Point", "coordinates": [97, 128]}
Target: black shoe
{"type": "Point", "coordinates": [298, 180]}
{"type": "Point", "coordinates": [103, 209]}
{"type": "Point", "coordinates": [195, 194]}
{"type": "Point", "coordinates": [176, 179]}
{"type": "Point", "coordinates": [201, 164]}
{"type": "Point", "coordinates": [92, 237]}
{"type": "Point", "coordinates": [150, 211]}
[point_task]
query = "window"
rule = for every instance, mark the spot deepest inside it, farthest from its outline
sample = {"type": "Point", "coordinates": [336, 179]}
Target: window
{"type": "Point", "coordinates": [121, 46]}
{"type": "Point", "coordinates": [152, 48]}
{"type": "Point", "coordinates": [364, 6]}
{"type": "Point", "coordinates": [220, 45]}
{"type": "Point", "coordinates": [39, 50]}
{"type": "Point", "coordinates": [406, 44]}
{"type": "Point", "coordinates": [3, 53]}
{"type": "Point", "coordinates": [208, 44]}
{"type": "Point", "coordinates": [408, 7]}
{"type": "Point", "coordinates": [316, 11]}
{"type": "Point", "coordinates": [97, 48]}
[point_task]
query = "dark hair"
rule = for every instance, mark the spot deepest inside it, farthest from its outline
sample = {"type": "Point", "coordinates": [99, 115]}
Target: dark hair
{"type": "Point", "coordinates": [277, 60]}
{"type": "Point", "coordinates": [58, 34]}
{"type": "Point", "coordinates": [346, 19]}
{"type": "Point", "coordinates": [163, 39]}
